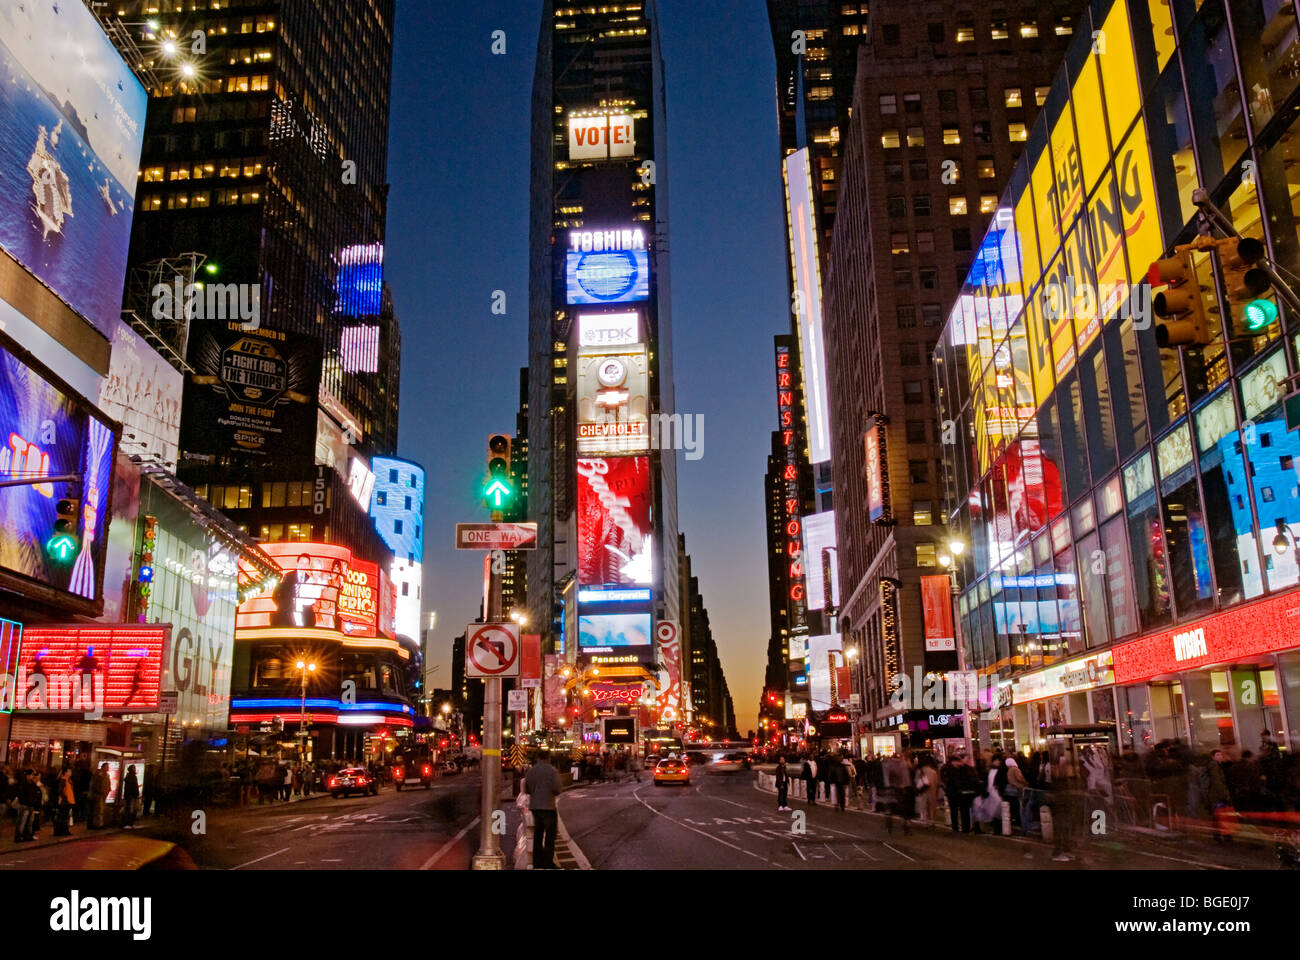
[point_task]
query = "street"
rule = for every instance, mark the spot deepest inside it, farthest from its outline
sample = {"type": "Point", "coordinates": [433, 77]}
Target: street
{"type": "Point", "coordinates": [722, 821]}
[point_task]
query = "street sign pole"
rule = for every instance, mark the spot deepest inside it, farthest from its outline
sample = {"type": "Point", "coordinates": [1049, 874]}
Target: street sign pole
{"type": "Point", "coordinates": [489, 856]}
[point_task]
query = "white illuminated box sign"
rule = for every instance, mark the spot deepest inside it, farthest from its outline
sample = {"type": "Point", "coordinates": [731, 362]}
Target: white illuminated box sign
{"type": "Point", "coordinates": [608, 329]}
{"type": "Point", "coordinates": [361, 482]}
{"type": "Point", "coordinates": [601, 137]}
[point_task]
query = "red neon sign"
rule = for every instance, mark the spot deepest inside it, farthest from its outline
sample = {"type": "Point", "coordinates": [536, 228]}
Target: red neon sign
{"type": "Point", "coordinates": [1237, 634]}
{"type": "Point", "coordinates": [116, 668]}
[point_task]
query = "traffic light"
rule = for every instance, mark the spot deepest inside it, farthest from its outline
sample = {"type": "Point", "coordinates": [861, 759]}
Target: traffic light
{"type": "Point", "coordinates": [63, 543]}
{"type": "Point", "coordinates": [1246, 282]}
{"type": "Point", "coordinates": [499, 489]}
{"type": "Point", "coordinates": [1181, 304]}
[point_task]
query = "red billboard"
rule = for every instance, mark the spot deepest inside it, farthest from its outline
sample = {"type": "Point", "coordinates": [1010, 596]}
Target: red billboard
{"type": "Point", "coordinates": [936, 606]}
{"type": "Point", "coordinates": [614, 496]}
{"type": "Point", "coordinates": [359, 599]}
{"type": "Point", "coordinates": [111, 668]}
{"type": "Point", "coordinates": [313, 575]}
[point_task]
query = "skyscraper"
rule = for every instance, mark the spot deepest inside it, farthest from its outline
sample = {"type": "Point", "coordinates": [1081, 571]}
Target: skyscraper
{"type": "Point", "coordinates": [942, 105]}
{"type": "Point", "coordinates": [600, 337]}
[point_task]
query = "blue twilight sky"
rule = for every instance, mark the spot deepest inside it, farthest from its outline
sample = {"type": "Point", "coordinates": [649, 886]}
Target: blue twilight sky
{"type": "Point", "coordinates": [458, 230]}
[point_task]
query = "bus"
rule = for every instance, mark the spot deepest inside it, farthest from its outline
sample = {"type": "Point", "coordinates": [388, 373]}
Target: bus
{"type": "Point", "coordinates": [659, 744]}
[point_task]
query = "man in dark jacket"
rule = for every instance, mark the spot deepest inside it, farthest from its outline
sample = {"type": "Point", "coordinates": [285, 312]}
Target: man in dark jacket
{"type": "Point", "coordinates": [130, 798]}
{"type": "Point", "coordinates": [810, 780]}
{"type": "Point", "coordinates": [782, 785]}
{"type": "Point", "coordinates": [839, 776]}
{"type": "Point", "coordinates": [966, 786]}
{"type": "Point", "coordinates": [542, 784]}
{"type": "Point", "coordinates": [29, 804]}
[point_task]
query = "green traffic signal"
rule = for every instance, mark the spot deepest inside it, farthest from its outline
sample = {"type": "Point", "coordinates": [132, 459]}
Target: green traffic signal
{"type": "Point", "coordinates": [1260, 314]}
{"type": "Point", "coordinates": [61, 547]}
{"type": "Point", "coordinates": [498, 493]}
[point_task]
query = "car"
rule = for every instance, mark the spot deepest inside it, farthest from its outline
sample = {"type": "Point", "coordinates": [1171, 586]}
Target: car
{"type": "Point", "coordinates": [449, 767]}
{"type": "Point", "coordinates": [352, 780]}
{"type": "Point", "coordinates": [413, 773]}
{"type": "Point", "coordinates": [672, 771]}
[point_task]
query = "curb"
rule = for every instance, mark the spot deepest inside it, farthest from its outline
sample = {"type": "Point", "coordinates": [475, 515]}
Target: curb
{"type": "Point", "coordinates": [562, 835]}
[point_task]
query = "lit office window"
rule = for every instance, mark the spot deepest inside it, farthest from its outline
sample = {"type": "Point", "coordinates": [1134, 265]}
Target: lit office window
{"type": "Point", "coordinates": [1017, 132]}
{"type": "Point", "coordinates": [915, 137]}
{"type": "Point", "coordinates": [957, 206]}
{"type": "Point", "coordinates": [889, 139]}
{"type": "Point", "coordinates": [1029, 30]}
{"type": "Point", "coordinates": [966, 31]}
{"type": "Point", "coordinates": [1011, 96]}
{"type": "Point", "coordinates": [998, 30]}
{"type": "Point", "coordinates": [988, 203]}
{"type": "Point", "coordinates": [951, 136]}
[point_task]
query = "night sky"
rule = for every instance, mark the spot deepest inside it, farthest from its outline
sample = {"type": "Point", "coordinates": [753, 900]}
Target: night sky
{"type": "Point", "coordinates": [458, 230]}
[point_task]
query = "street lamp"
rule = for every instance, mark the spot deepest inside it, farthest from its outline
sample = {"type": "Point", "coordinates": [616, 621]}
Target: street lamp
{"type": "Point", "coordinates": [950, 553]}
{"type": "Point", "coordinates": [304, 668]}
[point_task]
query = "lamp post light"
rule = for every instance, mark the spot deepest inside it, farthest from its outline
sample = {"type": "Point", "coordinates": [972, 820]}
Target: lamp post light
{"type": "Point", "coordinates": [304, 668]}
{"type": "Point", "coordinates": [950, 553]}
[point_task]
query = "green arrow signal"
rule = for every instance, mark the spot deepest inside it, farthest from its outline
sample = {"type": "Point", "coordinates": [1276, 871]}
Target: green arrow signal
{"type": "Point", "coordinates": [499, 492]}
{"type": "Point", "coordinates": [61, 547]}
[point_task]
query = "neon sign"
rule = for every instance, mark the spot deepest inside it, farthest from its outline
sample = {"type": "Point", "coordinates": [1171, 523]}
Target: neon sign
{"type": "Point", "coordinates": [791, 500]}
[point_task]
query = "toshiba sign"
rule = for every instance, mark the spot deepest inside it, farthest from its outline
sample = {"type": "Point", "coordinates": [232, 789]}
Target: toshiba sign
{"type": "Point", "coordinates": [1234, 635]}
{"type": "Point", "coordinates": [601, 137]}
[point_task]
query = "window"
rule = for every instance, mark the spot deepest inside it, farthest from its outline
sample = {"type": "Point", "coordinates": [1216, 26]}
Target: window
{"type": "Point", "coordinates": [911, 103]}
{"type": "Point", "coordinates": [988, 202]}
{"type": "Point", "coordinates": [909, 353]}
{"type": "Point", "coordinates": [918, 170]}
{"type": "Point", "coordinates": [408, 503]}
{"type": "Point", "coordinates": [893, 172]}
{"type": "Point", "coordinates": [397, 526]}
{"type": "Point", "coordinates": [921, 204]}
{"type": "Point", "coordinates": [888, 103]}
{"type": "Point", "coordinates": [913, 393]}
{"type": "Point", "coordinates": [898, 243]}
{"type": "Point", "coordinates": [1017, 133]}
{"type": "Point", "coordinates": [985, 169]}
{"type": "Point", "coordinates": [1011, 97]}
{"type": "Point", "coordinates": [925, 555]}
{"type": "Point", "coordinates": [1029, 30]}
{"type": "Point", "coordinates": [966, 31]}
{"type": "Point", "coordinates": [922, 513]}
{"type": "Point", "coordinates": [392, 476]}
{"type": "Point", "coordinates": [924, 241]}
{"type": "Point", "coordinates": [915, 137]}
{"type": "Point", "coordinates": [916, 432]}
{"type": "Point", "coordinates": [889, 139]}
{"type": "Point", "coordinates": [902, 277]}
{"type": "Point", "coordinates": [1040, 95]}
{"type": "Point", "coordinates": [957, 208]}
{"type": "Point", "coordinates": [905, 314]}
{"type": "Point", "coordinates": [934, 32]}
{"type": "Point", "coordinates": [849, 30]}
{"type": "Point", "coordinates": [980, 131]}
{"type": "Point", "coordinates": [961, 236]}
{"type": "Point", "coordinates": [929, 278]}
{"type": "Point", "coordinates": [979, 98]}
{"type": "Point", "coordinates": [381, 498]}
{"type": "Point", "coordinates": [947, 99]}
{"type": "Point", "coordinates": [999, 30]}
{"type": "Point", "coordinates": [1064, 26]}
{"type": "Point", "coordinates": [889, 33]}
{"type": "Point", "coordinates": [951, 136]}
{"type": "Point", "coordinates": [896, 206]}
{"type": "Point", "coordinates": [931, 314]}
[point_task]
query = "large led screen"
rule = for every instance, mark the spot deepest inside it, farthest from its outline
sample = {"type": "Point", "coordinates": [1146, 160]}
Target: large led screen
{"type": "Point", "coordinates": [611, 276]}
{"type": "Point", "coordinates": [613, 402]}
{"type": "Point", "coordinates": [72, 116]}
{"type": "Point", "coordinates": [307, 595]}
{"type": "Point", "coordinates": [50, 432]}
{"type": "Point", "coordinates": [606, 632]}
{"type": "Point", "coordinates": [807, 302]}
{"type": "Point", "coordinates": [614, 497]}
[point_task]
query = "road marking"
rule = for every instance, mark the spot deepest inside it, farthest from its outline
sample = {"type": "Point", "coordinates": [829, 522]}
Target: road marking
{"type": "Point", "coordinates": [428, 864]}
{"type": "Point", "coordinates": [703, 834]}
{"type": "Point", "coordinates": [761, 836]}
{"type": "Point", "coordinates": [798, 851]}
{"type": "Point", "coordinates": [331, 861]}
{"type": "Point", "coordinates": [864, 852]}
{"type": "Point", "coordinates": [260, 859]}
{"type": "Point", "coordinates": [900, 853]}
{"type": "Point", "coordinates": [832, 852]}
{"type": "Point", "coordinates": [1208, 866]}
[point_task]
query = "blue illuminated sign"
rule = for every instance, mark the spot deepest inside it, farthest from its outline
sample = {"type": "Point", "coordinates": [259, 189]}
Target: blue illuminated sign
{"type": "Point", "coordinates": [612, 276]}
{"type": "Point", "coordinates": [400, 526]}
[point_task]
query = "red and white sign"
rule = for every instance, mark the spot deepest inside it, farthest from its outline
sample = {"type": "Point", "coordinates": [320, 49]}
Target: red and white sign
{"type": "Point", "coordinates": [614, 522]}
{"type": "Point", "coordinates": [936, 605]}
{"type": "Point", "coordinates": [496, 536]}
{"type": "Point", "coordinates": [517, 701]}
{"type": "Point", "coordinates": [601, 137]}
{"type": "Point", "coordinates": [116, 668]}
{"type": "Point", "coordinates": [670, 655]}
{"type": "Point", "coordinates": [530, 672]}
{"type": "Point", "coordinates": [359, 599]}
{"type": "Point", "coordinates": [492, 650]}
{"type": "Point", "coordinates": [1234, 635]}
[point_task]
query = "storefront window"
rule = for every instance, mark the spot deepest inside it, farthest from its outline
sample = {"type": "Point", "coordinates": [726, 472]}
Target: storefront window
{"type": "Point", "coordinates": [1227, 502]}
{"type": "Point", "coordinates": [1067, 588]}
{"type": "Point", "coordinates": [1135, 726]}
{"type": "Point", "coordinates": [1070, 406]}
{"type": "Point", "coordinates": [1258, 707]}
{"type": "Point", "coordinates": [1279, 182]}
{"type": "Point", "coordinates": [1270, 55]}
{"type": "Point", "coordinates": [1167, 716]}
{"type": "Point", "coordinates": [1212, 92]}
{"type": "Point", "coordinates": [1103, 706]}
{"type": "Point", "coordinates": [1092, 576]}
{"type": "Point", "coordinates": [1210, 707]}
{"type": "Point", "coordinates": [1147, 545]}
{"type": "Point", "coordinates": [1185, 531]}
{"type": "Point", "coordinates": [1096, 404]}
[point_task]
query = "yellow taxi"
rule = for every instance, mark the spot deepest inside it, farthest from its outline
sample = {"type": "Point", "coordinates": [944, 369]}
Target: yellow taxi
{"type": "Point", "coordinates": [672, 771]}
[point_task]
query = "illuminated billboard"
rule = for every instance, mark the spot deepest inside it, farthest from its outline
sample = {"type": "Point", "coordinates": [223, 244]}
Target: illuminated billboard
{"type": "Point", "coordinates": [69, 158]}
{"type": "Point", "coordinates": [49, 431]}
{"type": "Point", "coordinates": [807, 301]}
{"type": "Point", "coordinates": [397, 506]}
{"type": "Point", "coordinates": [359, 349]}
{"type": "Point", "coordinates": [359, 283]}
{"type": "Point", "coordinates": [606, 632]}
{"type": "Point", "coordinates": [609, 329]}
{"type": "Point", "coordinates": [406, 577]}
{"type": "Point", "coordinates": [607, 266]}
{"type": "Point", "coordinates": [116, 668]}
{"type": "Point", "coordinates": [307, 595]}
{"type": "Point", "coordinates": [823, 652]}
{"type": "Point", "coordinates": [143, 392]}
{"type": "Point", "coordinates": [358, 603]}
{"type": "Point", "coordinates": [613, 402]}
{"type": "Point", "coordinates": [361, 482]}
{"type": "Point", "coordinates": [820, 560]}
{"type": "Point", "coordinates": [253, 394]}
{"type": "Point", "coordinates": [614, 542]}
{"type": "Point", "coordinates": [601, 136]}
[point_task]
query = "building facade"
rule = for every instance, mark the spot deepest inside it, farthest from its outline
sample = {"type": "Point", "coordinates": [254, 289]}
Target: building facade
{"type": "Point", "coordinates": [944, 98]}
{"type": "Point", "coordinates": [1131, 508]}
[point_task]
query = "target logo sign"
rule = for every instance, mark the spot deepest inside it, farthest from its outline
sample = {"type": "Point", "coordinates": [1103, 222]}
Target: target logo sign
{"type": "Point", "coordinates": [492, 650]}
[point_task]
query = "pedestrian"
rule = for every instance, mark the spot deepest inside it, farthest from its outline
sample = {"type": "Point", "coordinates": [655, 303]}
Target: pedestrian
{"type": "Point", "coordinates": [1067, 811]}
{"type": "Point", "coordinates": [782, 785]}
{"type": "Point", "coordinates": [809, 775]}
{"type": "Point", "coordinates": [286, 784]}
{"type": "Point", "coordinates": [29, 801]}
{"type": "Point", "coordinates": [575, 769]}
{"type": "Point", "coordinates": [1015, 791]}
{"type": "Point", "coordinates": [65, 801]}
{"type": "Point", "coordinates": [841, 775]}
{"type": "Point", "coordinates": [988, 806]}
{"type": "Point", "coordinates": [1221, 809]}
{"type": "Point", "coordinates": [542, 784]}
{"type": "Point", "coordinates": [100, 787]}
{"type": "Point", "coordinates": [927, 791]}
{"type": "Point", "coordinates": [149, 789]}
{"type": "Point", "coordinates": [130, 798]}
{"type": "Point", "coordinates": [948, 777]}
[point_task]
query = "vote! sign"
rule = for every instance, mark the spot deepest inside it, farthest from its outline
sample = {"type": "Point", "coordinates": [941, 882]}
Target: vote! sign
{"type": "Point", "coordinates": [601, 136]}
{"type": "Point", "coordinates": [492, 650]}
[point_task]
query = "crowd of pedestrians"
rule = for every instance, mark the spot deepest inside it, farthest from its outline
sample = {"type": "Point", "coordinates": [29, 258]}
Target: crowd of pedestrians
{"type": "Point", "coordinates": [74, 794]}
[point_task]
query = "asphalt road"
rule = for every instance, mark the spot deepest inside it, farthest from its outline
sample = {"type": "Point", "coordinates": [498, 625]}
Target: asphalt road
{"type": "Point", "coordinates": [412, 830]}
{"type": "Point", "coordinates": [723, 822]}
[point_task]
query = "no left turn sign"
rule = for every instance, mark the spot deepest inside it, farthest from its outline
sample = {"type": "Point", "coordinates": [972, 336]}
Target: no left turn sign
{"type": "Point", "coordinates": [492, 650]}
